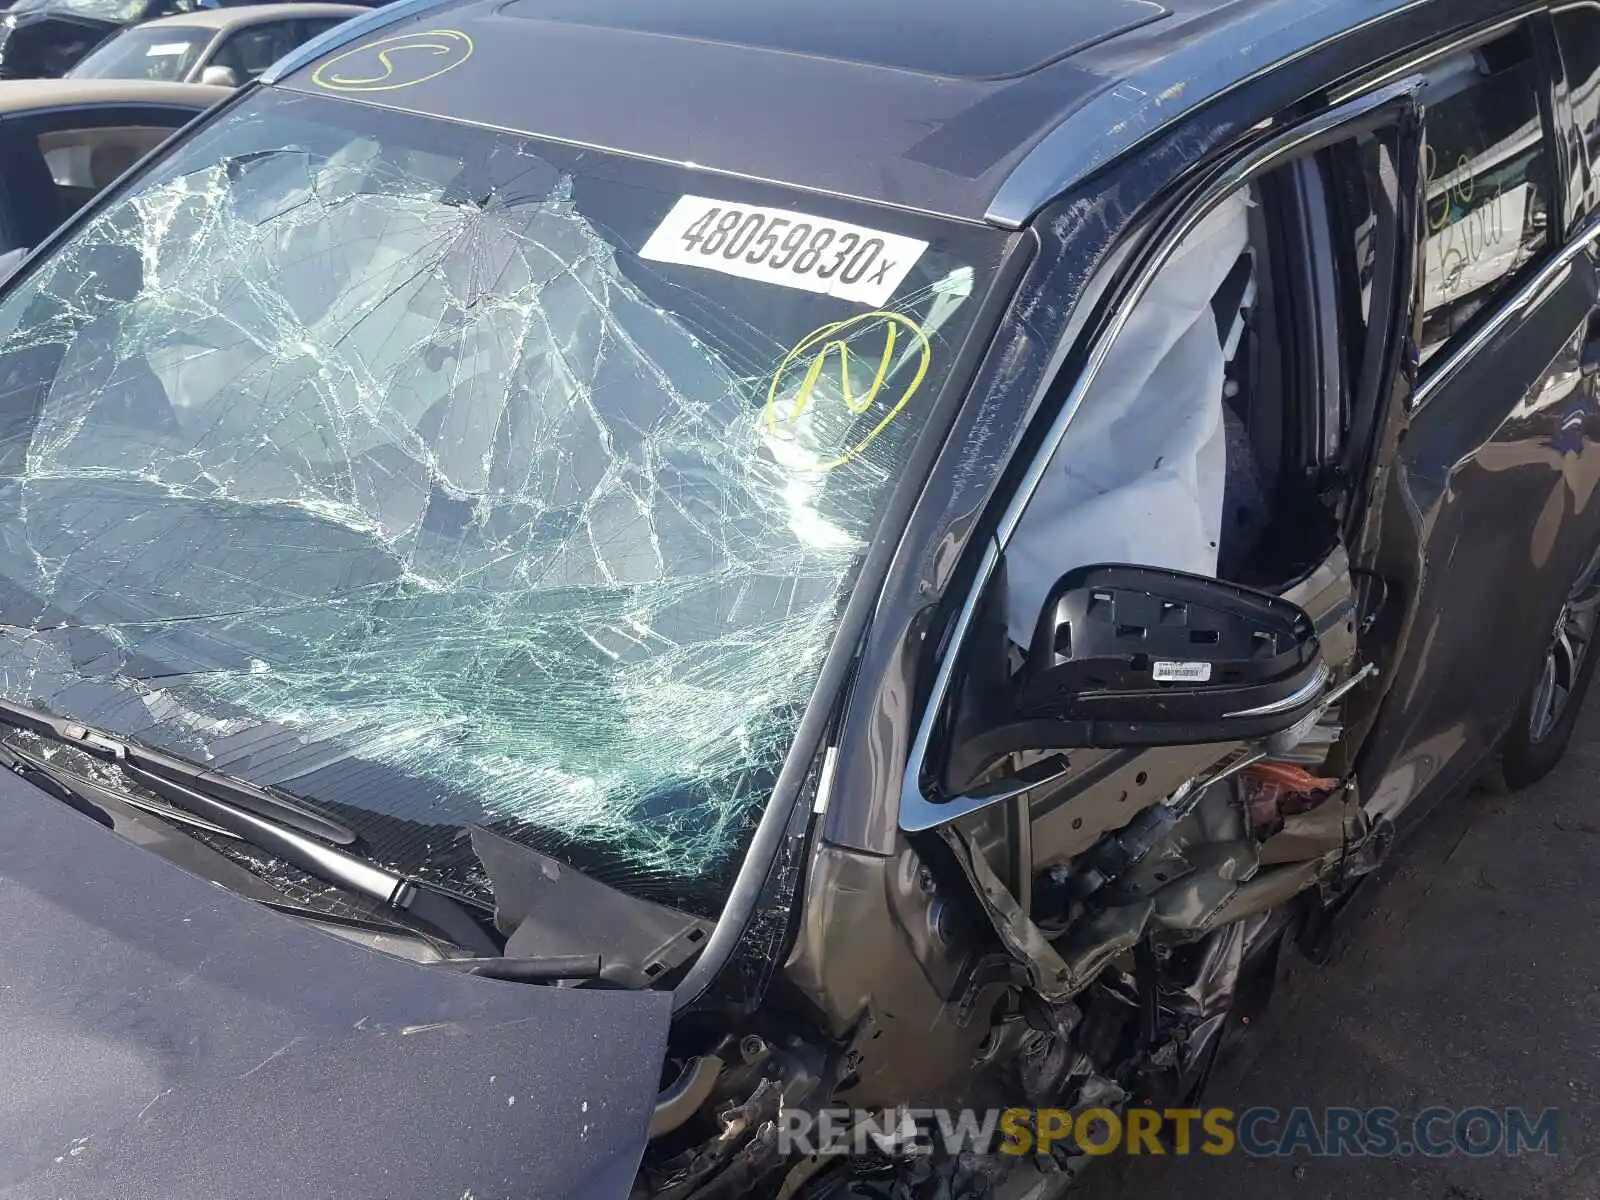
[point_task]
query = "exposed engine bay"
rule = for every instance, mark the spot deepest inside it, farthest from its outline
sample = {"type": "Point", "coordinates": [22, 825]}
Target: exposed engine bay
{"type": "Point", "coordinates": [1113, 978]}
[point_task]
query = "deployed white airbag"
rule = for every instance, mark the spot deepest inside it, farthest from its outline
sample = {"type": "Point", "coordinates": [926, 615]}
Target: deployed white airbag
{"type": "Point", "coordinates": [1139, 476]}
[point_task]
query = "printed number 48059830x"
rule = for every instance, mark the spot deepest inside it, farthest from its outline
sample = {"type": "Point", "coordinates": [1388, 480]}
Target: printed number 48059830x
{"type": "Point", "coordinates": [785, 248]}
{"type": "Point", "coordinates": [785, 244]}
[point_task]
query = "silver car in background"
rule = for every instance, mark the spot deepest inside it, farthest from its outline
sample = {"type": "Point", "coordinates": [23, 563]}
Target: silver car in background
{"type": "Point", "coordinates": [225, 47]}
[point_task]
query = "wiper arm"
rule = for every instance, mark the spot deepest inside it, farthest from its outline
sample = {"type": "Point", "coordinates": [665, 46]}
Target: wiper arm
{"type": "Point", "coordinates": [264, 820]}
{"type": "Point", "coordinates": [203, 780]}
{"type": "Point", "coordinates": [443, 913]}
{"type": "Point", "coordinates": [69, 788]}
{"type": "Point", "coordinates": [89, 797]}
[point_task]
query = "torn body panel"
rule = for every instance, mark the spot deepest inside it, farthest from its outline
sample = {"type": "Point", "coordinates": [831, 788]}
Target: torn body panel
{"type": "Point", "coordinates": [1113, 916]}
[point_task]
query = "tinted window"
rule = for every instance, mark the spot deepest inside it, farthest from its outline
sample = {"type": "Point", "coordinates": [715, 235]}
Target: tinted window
{"type": "Point", "coordinates": [1578, 27]}
{"type": "Point", "coordinates": [1487, 178]}
{"type": "Point", "coordinates": [146, 52]}
{"type": "Point", "coordinates": [251, 51]}
{"type": "Point", "coordinates": [310, 29]}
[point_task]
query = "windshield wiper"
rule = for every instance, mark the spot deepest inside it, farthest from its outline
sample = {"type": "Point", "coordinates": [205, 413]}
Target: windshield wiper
{"type": "Point", "coordinates": [210, 783]}
{"type": "Point", "coordinates": [448, 916]}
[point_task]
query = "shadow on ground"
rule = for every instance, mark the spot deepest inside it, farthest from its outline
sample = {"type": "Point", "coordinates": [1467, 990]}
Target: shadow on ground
{"type": "Point", "coordinates": [1474, 981]}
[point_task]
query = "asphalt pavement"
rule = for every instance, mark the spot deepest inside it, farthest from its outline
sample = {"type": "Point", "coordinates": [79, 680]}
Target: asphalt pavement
{"type": "Point", "coordinates": [1474, 980]}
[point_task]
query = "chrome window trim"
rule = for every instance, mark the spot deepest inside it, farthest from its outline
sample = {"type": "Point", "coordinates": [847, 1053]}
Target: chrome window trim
{"type": "Point", "coordinates": [1304, 694]}
{"type": "Point", "coordinates": [1431, 56]}
{"type": "Point", "coordinates": [917, 811]}
{"type": "Point", "coordinates": [1436, 374]}
{"type": "Point", "coordinates": [1526, 294]}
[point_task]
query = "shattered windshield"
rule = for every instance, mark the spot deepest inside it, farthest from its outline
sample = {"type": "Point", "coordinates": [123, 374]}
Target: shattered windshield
{"type": "Point", "coordinates": [443, 477]}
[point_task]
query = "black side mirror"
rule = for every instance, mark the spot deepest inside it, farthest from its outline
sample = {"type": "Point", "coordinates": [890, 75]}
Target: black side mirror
{"type": "Point", "coordinates": [1138, 656]}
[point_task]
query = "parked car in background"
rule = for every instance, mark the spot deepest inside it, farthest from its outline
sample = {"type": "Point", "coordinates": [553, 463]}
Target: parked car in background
{"type": "Point", "coordinates": [221, 46]}
{"type": "Point", "coordinates": [46, 38]}
{"type": "Point", "coordinates": [61, 141]}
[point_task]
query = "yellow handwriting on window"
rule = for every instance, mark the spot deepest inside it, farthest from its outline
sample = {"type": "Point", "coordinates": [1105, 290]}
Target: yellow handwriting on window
{"type": "Point", "coordinates": [887, 343]}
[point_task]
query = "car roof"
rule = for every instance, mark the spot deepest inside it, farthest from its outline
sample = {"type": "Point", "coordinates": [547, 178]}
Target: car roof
{"type": "Point", "coordinates": [21, 95]}
{"type": "Point", "coordinates": [251, 14]}
{"type": "Point", "coordinates": [980, 111]}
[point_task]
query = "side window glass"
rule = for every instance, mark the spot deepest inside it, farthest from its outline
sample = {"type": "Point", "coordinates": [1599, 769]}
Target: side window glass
{"type": "Point", "coordinates": [1578, 27]}
{"type": "Point", "coordinates": [81, 162]}
{"type": "Point", "coordinates": [1487, 175]}
{"type": "Point", "coordinates": [311, 29]}
{"type": "Point", "coordinates": [251, 51]}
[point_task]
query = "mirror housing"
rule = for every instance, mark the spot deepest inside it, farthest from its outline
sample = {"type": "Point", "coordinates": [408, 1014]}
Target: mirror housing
{"type": "Point", "coordinates": [219, 76]}
{"type": "Point", "coordinates": [1139, 656]}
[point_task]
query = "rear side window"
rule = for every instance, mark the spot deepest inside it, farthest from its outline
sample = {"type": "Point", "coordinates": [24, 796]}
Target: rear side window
{"type": "Point", "coordinates": [1578, 27]}
{"type": "Point", "coordinates": [1487, 173]}
{"type": "Point", "coordinates": [310, 29]}
{"type": "Point", "coordinates": [251, 51]}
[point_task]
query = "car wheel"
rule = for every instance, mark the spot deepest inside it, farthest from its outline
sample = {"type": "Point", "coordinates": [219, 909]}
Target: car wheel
{"type": "Point", "coordinates": [1545, 719]}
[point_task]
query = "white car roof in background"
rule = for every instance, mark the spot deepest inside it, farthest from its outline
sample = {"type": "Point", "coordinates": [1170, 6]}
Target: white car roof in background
{"type": "Point", "coordinates": [251, 14]}
{"type": "Point", "coordinates": [18, 95]}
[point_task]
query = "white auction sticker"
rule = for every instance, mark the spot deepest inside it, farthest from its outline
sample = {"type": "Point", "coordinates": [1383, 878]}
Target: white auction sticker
{"type": "Point", "coordinates": [1181, 672]}
{"type": "Point", "coordinates": [787, 248]}
{"type": "Point", "coordinates": [163, 49]}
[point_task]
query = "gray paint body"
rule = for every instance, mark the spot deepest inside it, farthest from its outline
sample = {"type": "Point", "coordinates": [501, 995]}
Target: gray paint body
{"type": "Point", "coordinates": [204, 1047]}
{"type": "Point", "coordinates": [166, 1038]}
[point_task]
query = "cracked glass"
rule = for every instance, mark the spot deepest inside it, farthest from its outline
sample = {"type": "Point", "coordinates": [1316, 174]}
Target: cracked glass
{"type": "Point", "coordinates": [360, 455]}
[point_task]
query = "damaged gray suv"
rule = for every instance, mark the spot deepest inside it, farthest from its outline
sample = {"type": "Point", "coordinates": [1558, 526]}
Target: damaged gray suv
{"type": "Point", "coordinates": [582, 581]}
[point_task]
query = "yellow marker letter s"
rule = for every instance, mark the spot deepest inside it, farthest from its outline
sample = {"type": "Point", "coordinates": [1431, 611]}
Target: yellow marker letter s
{"type": "Point", "coordinates": [392, 63]}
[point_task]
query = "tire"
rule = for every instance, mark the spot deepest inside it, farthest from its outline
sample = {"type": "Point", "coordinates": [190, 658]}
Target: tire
{"type": "Point", "coordinates": [1546, 717]}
